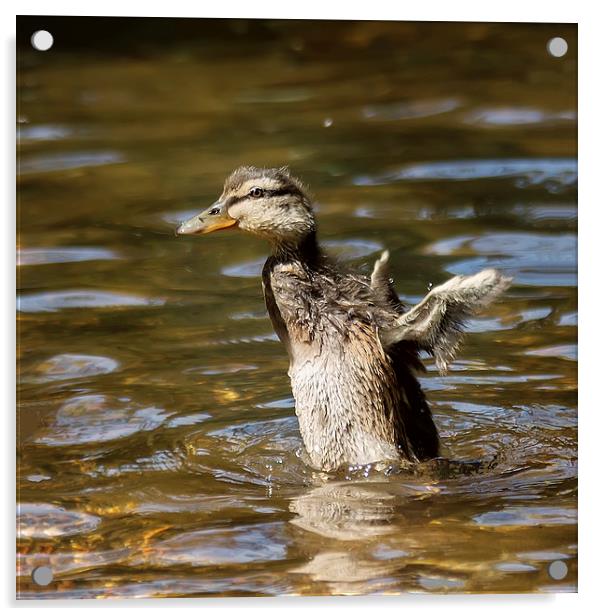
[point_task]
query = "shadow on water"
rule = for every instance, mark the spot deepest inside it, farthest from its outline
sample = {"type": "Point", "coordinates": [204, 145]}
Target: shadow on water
{"type": "Point", "coordinates": [158, 449]}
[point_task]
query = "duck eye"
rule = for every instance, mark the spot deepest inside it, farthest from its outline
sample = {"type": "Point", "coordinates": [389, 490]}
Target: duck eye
{"type": "Point", "coordinates": [256, 192]}
{"type": "Point", "coordinates": [214, 211]}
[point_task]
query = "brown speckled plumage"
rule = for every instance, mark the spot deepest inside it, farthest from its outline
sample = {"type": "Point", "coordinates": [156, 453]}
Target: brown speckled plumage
{"type": "Point", "coordinates": [353, 346]}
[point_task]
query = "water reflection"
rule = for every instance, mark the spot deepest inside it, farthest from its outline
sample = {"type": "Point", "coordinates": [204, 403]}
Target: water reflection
{"type": "Point", "coordinates": [60, 162]}
{"type": "Point", "coordinates": [410, 109]}
{"type": "Point", "coordinates": [70, 366]}
{"type": "Point", "coordinates": [41, 132]}
{"type": "Point", "coordinates": [526, 516]}
{"type": "Point", "coordinates": [218, 547]}
{"type": "Point", "coordinates": [94, 418]}
{"type": "Point", "coordinates": [531, 258]}
{"type": "Point", "coordinates": [71, 254]}
{"type": "Point", "coordinates": [52, 301]}
{"type": "Point", "coordinates": [553, 173]}
{"type": "Point", "coordinates": [344, 511]}
{"type": "Point", "coordinates": [518, 116]}
{"type": "Point", "coordinates": [346, 574]}
{"type": "Point", "coordinates": [42, 520]}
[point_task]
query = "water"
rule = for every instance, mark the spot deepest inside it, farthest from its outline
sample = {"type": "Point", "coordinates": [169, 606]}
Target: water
{"type": "Point", "coordinates": [159, 453]}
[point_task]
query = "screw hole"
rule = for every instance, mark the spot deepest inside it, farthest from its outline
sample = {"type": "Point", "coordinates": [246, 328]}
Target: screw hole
{"type": "Point", "coordinates": [557, 47]}
{"type": "Point", "coordinates": [558, 570]}
{"type": "Point", "coordinates": [42, 576]}
{"type": "Point", "coordinates": [42, 40]}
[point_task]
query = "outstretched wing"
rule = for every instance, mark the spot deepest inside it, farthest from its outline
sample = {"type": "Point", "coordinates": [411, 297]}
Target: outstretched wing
{"type": "Point", "coordinates": [436, 324]}
{"type": "Point", "coordinates": [381, 282]}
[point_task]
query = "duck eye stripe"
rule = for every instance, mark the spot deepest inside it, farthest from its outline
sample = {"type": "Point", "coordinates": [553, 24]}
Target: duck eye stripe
{"type": "Point", "coordinates": [280, 192]}
{"type": "Point", "coordinates": [275, 192]}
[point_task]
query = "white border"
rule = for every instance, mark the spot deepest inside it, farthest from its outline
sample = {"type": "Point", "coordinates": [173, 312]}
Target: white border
{"type": "Point", "coordinates": [590, 237]}
{"type": "Point", "coordinates": [555, 11]}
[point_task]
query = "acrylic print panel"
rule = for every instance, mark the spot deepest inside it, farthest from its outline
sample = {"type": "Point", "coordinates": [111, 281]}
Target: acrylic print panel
{"type": "Point", "coordinates": [161, 451]}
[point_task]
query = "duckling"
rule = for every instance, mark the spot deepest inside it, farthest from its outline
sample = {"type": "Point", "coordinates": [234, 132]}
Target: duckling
{"type": "Point", "coordinates": [353, 346]}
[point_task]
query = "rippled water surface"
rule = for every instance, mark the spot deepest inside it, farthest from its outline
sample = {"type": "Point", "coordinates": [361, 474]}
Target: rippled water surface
{"type": "Point", "coordinates": [159, 452]}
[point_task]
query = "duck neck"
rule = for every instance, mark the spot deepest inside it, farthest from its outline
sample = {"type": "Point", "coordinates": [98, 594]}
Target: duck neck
{"type": "Point", "coordinates": [307, 250]}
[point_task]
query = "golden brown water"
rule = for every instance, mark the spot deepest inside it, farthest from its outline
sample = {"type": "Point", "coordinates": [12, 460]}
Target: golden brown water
{"type": "Point", "coordinates": [159, 453]}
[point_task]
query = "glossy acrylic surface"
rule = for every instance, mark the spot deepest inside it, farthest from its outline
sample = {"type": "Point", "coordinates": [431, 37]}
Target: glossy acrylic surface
{"type": "Point", "coordinates": [159, 453]}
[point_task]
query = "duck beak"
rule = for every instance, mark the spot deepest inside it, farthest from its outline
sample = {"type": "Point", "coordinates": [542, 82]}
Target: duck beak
{"type": "Point", "coordinates": [214, 218]}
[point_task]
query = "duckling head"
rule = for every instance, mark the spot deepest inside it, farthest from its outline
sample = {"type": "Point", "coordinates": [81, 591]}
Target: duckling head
{"type": "Point", "coordinates": [269, 203]}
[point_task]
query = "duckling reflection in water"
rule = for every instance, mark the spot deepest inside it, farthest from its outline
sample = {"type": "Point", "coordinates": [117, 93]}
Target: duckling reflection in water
{"type": "Point", "coordinates": [353, 345]}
